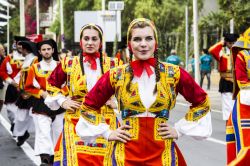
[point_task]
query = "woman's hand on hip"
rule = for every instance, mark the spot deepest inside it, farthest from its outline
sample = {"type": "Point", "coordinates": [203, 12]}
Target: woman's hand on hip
{"type": "Point", "coordinates": [166, 131]}
{"type": "Point", "coordinates": [120, 134]}
{"type": "Point", "coordinates": [71, 105]}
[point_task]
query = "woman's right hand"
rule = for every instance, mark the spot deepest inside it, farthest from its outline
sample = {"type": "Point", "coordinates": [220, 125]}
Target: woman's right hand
{"type": "Point", "coordinates": [71, 105]}
{"type": "Point", "coordinates": [120, 134]}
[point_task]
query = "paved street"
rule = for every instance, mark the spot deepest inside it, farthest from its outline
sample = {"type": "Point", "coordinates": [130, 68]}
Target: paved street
{"type": "Point", "coordinates": [206, 153]}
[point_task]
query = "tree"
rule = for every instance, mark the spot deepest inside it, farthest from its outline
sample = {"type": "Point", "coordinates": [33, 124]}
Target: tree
{"type": "Point", "coordinates": [14, 22]}
{"type": "Point", "coordinates": [218, 22]}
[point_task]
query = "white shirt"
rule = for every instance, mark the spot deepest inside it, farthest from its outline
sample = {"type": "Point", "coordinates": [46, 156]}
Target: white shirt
{"type": "Point", "coordinates": [200, 129]}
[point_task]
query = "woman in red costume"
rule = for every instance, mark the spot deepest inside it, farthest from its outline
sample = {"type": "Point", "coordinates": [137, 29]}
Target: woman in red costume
{"type": "Point", "coordinates": [238, 126]}
{"type": "Point", "coordinates": [68, 84]}
{"type": "Point", "coordinates": [146, 91]}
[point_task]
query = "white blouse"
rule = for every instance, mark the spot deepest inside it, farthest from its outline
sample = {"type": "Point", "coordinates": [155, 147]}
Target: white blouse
{"type": "Point", "coordinates": [200, 129]}
{"type": "Point", "coordinates": [55, 102]}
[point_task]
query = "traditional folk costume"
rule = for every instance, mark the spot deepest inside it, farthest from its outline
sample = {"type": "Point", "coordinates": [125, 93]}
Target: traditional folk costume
{"type": "Point", "coordinates": [70, 149]}
{"type": "Point", "coordinates": [2, 84]}
{"type": "Point", "coordinates": [23, 120]}
{"type": "Point", "coordinates": [10, 72]}
{"type": "Point", "coordinates": [79, 75]}
{"type": "Point", "coordinates": [48, 123]}
{"type": "Point", "coordinates": [222, 54]}
{"type": "Point", "coordinates": [238, 126]}
{"type": "Point", "coordinates": [144, 111]}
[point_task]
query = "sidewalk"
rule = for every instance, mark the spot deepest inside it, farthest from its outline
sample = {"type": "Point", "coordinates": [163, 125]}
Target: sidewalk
{"type": "Point", "coordinates": [214, 95]}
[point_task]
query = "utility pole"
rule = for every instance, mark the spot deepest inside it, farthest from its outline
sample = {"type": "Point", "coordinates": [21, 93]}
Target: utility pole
{"type": "Point", "coordinates": [37, 17]}
{"type": "Point", "coordinates": [8, 30]}
{"type": "Point", "coordinates": [231, 22]}
{"type": "Point", "coordinates": [196, 45]}
{"type": "Point", "coordinates": [103, 17]}
{"type": "Point", "coordinates": [62, 24]}
{"type": "Point", "coordinates": [186, 13]}
{"type": "Point", "coordinates": [22, 19]}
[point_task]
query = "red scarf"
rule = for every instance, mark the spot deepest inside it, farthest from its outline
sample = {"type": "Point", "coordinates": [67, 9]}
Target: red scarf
{"type": "Point", "coordinates": [91, 59]}
{"type": "Point", "coordinates": [139, 65]}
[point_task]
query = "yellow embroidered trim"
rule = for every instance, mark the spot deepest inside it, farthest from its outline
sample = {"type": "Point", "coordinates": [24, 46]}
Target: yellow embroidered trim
{"type": "Point", "coordinates": [199, 111]}
{"type": "Point", "coordinates": [134, 123]}
{"type": "Point", "coordinates": [166, 157]}
{"type": "Point", "coordinates": [39, 74]}
{"type": "Point", "coordinates": [243, 85]}
{"type": "Point", "coordinates": [107, 158]}
{"type": "Point", "coordinates": [120, 154]}
{"type": "Point", "coordinates": [158, 121]}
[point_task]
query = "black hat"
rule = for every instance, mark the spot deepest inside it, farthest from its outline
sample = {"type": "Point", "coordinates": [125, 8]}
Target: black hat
{"type": "Point", "coordinates": [20, 38]}
{"type": "Point", "coordinates": [230, 37]}
{"type": "Point", "coordinates": [52, 43]}
{"type": "Point", "coordinates": [30, 46]}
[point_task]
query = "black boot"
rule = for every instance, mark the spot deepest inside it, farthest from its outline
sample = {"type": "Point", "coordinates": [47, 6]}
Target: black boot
{"type": "Point", "coordinates": [22, 139]}
{"type": "Point", "coordinates": [1, 105]}
{"type": "Point", "coordinates": [12, 127]}
{"type": "Point", "coordinates": [45, 159]}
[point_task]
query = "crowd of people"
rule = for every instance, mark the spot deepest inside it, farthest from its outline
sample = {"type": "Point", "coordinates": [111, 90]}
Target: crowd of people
{"type": "Point", "coordinates": [91, 109]}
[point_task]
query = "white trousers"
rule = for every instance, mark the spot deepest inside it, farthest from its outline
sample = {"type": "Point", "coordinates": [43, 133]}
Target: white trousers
{"type": "Point", "coordinates": [227, 104]}
{"type": "Point", "coordinates": [11, 111]}
{"type": "Point", "coordinates": [23, 122]}
{"type": "Point", "coordinates": [47, 133]}
{"type": "Point", "coordinates": [3, 91]}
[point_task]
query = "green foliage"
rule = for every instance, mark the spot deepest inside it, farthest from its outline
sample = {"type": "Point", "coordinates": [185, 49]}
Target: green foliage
{"type": "Point", "coordinates": [14, 23]}
{"type": "Point", "coordinates": [236, 9]}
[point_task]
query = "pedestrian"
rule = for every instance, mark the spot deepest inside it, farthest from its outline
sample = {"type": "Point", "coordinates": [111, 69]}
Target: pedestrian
{"type": "Point", "coordinates": [173, 58]}
{"type": "Point", "coordinates": [221, 52]}
{"type": "Point", "coordinates": [146, 91]}
{"type": "Point", "coordinates": [23, 120]}
{"type": "Point", "coordinates": [48, 123]}
{"type": "Point", "coordinates": [10, 73]}
{"type": "Point", "coordinates": [238, 126]}
{"type": "Point", "coordinates": [79, 74]}
{"type": "Point", "coordinates": [190, 67]}
{"type": "Point", "coordinates": [205, 63]}
{"type": "Point", "coordinates": [2, 86]}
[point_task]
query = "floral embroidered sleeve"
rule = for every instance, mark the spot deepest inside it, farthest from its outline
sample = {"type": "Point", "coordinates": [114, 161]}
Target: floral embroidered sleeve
{"type": "Point", "coordinates": [197, 122]}
{"type": "Point", "coordinates": [242, 76]}
{"type": "Point", "coordinates": [241, 71]}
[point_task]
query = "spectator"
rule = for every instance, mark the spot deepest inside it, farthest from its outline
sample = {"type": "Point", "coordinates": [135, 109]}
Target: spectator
{"type": "Point", "coordinates": [206, 62]}
{"type": "Point", "coordinates": [173, 58]}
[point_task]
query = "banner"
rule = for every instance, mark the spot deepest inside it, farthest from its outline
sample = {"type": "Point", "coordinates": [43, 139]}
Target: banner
{"type": "Point", "coordinates": [45, 16]}
{"type": "Point", "coordinates": [30, 17]}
